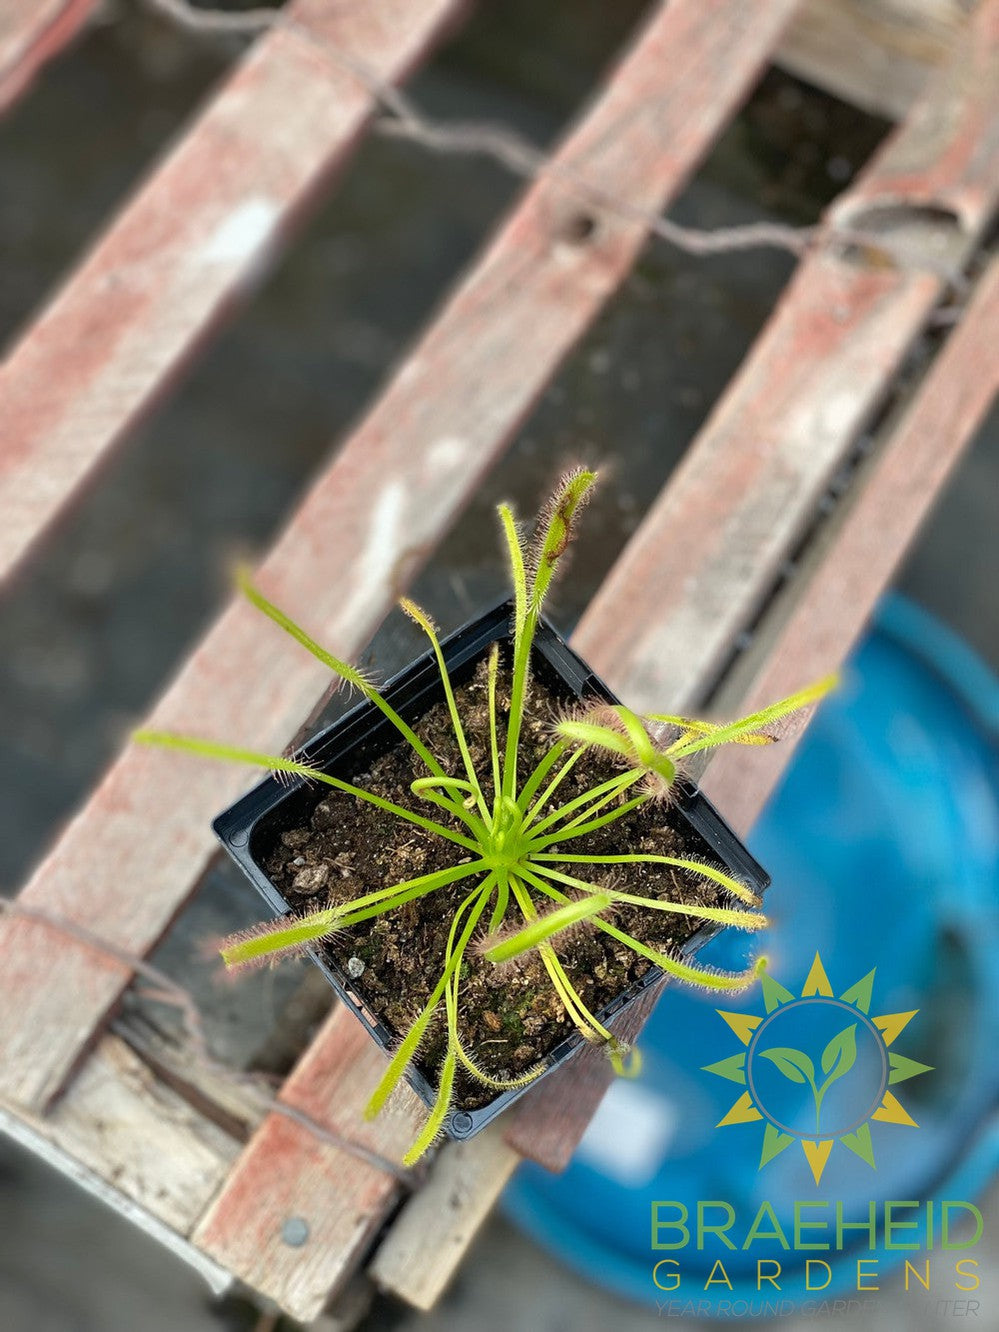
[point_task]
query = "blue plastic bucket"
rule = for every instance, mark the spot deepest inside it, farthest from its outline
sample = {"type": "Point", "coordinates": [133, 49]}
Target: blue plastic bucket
{"type": "Point", "coordinates": [883, 842]}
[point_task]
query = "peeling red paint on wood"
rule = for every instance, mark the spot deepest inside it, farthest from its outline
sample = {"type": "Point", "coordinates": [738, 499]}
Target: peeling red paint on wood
{"type": "Point", "coordinates": [946, 157]}
{"type": "Point", "coordinates": [32, 32]}
{"type": "Point", "coordinates": [667, 617]}
{"type": "Point", "coordinates": [663, 625]}
{"type": "Point", "coordinates": [286, 1174]}
{"type": "Point", "coordinates": [200, 232]}
{"type": "Point", "coordinates": [373, 515]}
{"type": "Point", "coordinates": [123, 1122]}
{"type": "Point", "coordinates": [903, 483]}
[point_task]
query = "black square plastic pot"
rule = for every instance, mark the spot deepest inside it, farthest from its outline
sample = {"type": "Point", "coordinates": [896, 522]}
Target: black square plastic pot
{"type": "Point", "coordinates": [251, 827]}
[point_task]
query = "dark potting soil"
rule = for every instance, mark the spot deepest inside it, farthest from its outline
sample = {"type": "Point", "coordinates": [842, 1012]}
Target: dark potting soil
{"type": "Point", "coordinates": [510, 1016]}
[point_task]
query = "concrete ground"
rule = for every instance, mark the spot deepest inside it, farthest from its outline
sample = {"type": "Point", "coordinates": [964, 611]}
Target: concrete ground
{"type": "Point", "coordinates": [93, 629]}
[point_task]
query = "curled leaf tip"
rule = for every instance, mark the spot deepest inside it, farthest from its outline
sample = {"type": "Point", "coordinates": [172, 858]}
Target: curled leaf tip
{"type": "Point", "coordinates": [626, 1060]}
{"type": "Point", "coordinates": [555, 528]}
{"type": "Point", "coordinates": [417, 613]}
{"type": "Point", "coordinates": [617, 730]}
{"type": "Point", "coordinates": [242, 574]}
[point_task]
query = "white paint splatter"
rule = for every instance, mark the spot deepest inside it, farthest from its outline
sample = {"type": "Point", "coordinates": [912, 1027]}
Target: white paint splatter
{"type": "Point", "coordinates": [240, 235]}
{"type": "Point", "coordinates": [410, 370]}
{"type": "Point", "coordinates": [445, 453]}
{"type": "Point", "coordinates": [375, 565]}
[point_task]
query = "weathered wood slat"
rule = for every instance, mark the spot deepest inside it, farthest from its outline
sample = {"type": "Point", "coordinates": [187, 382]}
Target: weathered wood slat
{"type": "Point", "coordinates": [123, 1133]}
{"type": "Point", "coordinates": [96, 1182]}
{"type": "Point", "coordinates": [32, 32]}
{"type": "Point", "coordinates": [701, 562]}
{"type": "Point", "coordinates": [155, 1151]}
{"type": "Point", "coordinates": [236, 1103]}
{"type": "Point", "coordinates": [129, 860]}
{"type": "Point", "coordinates": [699, 568]}
{"type": "Point", "coordinates": [909, 473]}
{"type": "Point", "coordinates": [877, 54]}
{"type": "Point", "coordinates": [199, 232]}
{"type": "Point", "coordinates": [664, 622]}
{"type": "Point", "coordinates": [296, 1214]}
{"type": "Point", "coordinates": [418, 1257]}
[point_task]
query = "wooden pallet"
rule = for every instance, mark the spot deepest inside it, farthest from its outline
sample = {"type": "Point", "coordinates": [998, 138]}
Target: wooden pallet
{"type": "Point", "coordinates": [289, 1198]}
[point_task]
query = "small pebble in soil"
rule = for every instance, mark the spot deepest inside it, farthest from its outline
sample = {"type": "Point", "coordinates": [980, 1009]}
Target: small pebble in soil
{"type": "Point", "coordinates": [310, 879]}
{"type": "Point", "coordinates": [323, 816]}
{"type": "Point", "coordinates": [355, 967]}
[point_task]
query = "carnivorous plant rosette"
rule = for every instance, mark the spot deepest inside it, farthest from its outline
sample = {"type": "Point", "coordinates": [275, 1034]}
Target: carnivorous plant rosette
{"type": "Point", "coordinates": [517, 845]}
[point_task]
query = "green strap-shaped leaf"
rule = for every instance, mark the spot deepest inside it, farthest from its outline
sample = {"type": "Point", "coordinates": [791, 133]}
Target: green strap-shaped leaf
{"type": "Point", "coordinates": [545, 927]}
{"type": "Point", "coordinates": [736, 730]}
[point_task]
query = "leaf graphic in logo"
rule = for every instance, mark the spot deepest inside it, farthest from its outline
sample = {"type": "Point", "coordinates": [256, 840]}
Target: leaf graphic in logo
{"type": "Point", "coordinates": [840, 1055]}
{"type": "Point", "coordinates": [794, 1064]}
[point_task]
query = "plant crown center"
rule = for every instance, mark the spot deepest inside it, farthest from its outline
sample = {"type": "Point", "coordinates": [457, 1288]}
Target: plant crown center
{"type": "Point", "coordinates": [506, 844]}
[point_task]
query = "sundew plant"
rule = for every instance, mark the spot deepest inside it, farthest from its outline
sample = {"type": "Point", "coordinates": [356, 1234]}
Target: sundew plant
{"type": "Point", "coordinates": [511, 837]}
